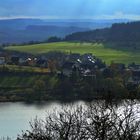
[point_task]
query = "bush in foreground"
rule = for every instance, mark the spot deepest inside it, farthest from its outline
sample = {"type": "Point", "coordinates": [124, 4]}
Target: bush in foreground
{"type": "Point", "coordinates": [91, 122]}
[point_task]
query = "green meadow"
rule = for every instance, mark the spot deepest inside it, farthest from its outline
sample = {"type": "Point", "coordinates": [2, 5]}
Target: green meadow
{"type": "Point", "coordinates": [105, 52]}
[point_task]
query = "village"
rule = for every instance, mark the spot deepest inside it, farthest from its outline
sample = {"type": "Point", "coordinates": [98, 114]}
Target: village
{"type": "Point", "coordinates": [86, 65]}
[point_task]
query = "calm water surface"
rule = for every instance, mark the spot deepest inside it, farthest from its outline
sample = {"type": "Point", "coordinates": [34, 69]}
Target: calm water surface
{"type": "Point", "coordinates": [15, 117]}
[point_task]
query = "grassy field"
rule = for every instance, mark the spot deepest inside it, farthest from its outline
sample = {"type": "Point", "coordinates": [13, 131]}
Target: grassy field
{"type": "Point", "coordinates": [17, 81]}
{"type": "Point", "coordinates": [106, 53]}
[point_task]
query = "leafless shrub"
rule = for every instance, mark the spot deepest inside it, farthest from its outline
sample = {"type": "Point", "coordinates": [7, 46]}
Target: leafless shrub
{"type": "Point", "coordinates": [93, 122]}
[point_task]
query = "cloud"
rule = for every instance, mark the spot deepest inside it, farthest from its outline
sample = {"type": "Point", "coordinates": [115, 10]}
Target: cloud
{"type": "Point", "coordinates": [121, 15]}
{"type": "Point", "coordinates": [28, 17]}
{"type": "Point", "coordinates": [116, 15]}
{"type": "Point", "coordinates": [70, 9]}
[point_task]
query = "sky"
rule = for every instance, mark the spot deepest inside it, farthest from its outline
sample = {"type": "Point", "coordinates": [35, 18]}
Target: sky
{"type": "Point", "coordinates": [70, 9]}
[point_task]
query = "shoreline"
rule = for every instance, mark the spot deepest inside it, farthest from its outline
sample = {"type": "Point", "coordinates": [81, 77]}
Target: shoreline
{"type": "Point", "coordinates": [62, 99]}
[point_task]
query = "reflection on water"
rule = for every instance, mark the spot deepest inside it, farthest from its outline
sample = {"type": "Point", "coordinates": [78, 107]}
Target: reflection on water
{"type": "Point", "coordinates": [15, 117]}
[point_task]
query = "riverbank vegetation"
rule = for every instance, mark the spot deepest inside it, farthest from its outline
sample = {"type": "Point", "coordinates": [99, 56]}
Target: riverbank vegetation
{"type": "Point", "coordinates": [109, 83]}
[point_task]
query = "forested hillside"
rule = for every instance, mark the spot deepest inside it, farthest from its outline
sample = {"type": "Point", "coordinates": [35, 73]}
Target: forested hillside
{"type": "Point", "coordinates": [120, 32]}
{"type": "Point", "coordinates": [18, 31]}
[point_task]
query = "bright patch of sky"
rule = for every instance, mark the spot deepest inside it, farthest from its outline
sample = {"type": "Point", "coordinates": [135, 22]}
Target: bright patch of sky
{"type": "Point", "coordinates": [70, 9]}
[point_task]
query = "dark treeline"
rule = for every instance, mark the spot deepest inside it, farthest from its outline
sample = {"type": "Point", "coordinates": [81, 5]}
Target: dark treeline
{"type": "Point", "coordinates": [120, 32]}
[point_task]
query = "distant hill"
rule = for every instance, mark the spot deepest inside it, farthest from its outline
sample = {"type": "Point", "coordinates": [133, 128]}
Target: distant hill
{"type": "Point", "coordinates": [35, 33]}
{"type": "Point", "coordinates": [15, 24]}
{"type": "Point", "coordinates": [41, 31]}
{"type": "Point", "coordinates": [120, 32]}
{"type": "Point", "coordinates": [86, 23]}
{"type": "Point", "coordinates": [23, 23]}
{"type": "Point", "coordinates": [25, 30]}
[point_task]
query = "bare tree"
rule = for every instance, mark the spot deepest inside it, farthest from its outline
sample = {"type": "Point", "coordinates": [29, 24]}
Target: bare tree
{"type": "Point", "coordinates": [97, 121]}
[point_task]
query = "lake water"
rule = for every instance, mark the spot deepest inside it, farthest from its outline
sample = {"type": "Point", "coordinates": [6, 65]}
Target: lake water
{"type": "Point", "coordinates": [15, 117]}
